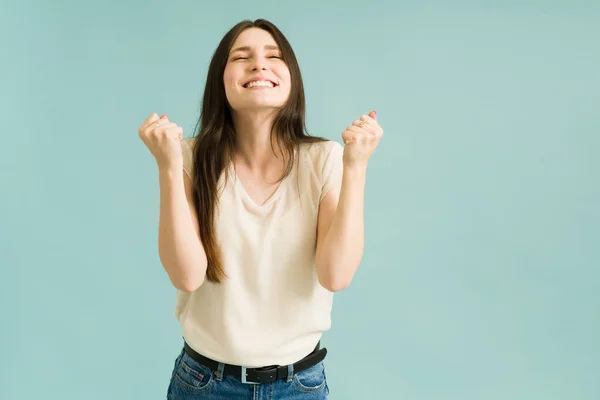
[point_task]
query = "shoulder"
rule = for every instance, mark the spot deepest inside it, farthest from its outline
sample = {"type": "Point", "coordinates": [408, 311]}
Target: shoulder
{"type": "Point", "coordinates": [187, 150]}
{"type": "Point", "coordinates": [320, 152]}
{"type": "Point", "coordinates": [322, 163]}
{"type": "Point", "coordinates": [320, 146]}
{"type": "Point", "coordinates": [187, 144]}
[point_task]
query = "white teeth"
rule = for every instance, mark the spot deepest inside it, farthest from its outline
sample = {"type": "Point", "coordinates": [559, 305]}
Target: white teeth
{"type": "Point", "coordinates": [259, 83]}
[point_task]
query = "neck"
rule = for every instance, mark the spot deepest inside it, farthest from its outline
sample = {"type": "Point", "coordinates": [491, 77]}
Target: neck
{"type": "Point", "coordinates": [253, 144]}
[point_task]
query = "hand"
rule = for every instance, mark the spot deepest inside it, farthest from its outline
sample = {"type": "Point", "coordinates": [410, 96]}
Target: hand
{"type": "Point", "coordinates": [163, 139]}
{"type": "Point", "coordinates": [360, 139]}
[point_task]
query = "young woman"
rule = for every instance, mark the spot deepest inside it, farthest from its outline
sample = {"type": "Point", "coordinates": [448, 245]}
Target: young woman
{"type": "Point", "coordinates": [262, 226]}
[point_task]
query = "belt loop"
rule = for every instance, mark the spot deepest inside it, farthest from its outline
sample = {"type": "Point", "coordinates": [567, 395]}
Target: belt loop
{"type": "Point", "coordinates": [219, 372]}
{"type": "Point", "coordinates": [290, 373]}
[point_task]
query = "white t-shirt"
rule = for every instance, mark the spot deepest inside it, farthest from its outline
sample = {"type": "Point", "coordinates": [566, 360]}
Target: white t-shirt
{"type": "Point", "coordinates": [271, 309]}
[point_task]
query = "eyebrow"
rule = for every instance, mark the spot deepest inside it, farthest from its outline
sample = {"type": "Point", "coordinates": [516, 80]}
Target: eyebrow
{"type": "Point", "coordinates": [247, 48]}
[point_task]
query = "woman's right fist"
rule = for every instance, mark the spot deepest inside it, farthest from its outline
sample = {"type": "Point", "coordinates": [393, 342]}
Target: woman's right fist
{"type": "Point", "coordinates": [163, 139]}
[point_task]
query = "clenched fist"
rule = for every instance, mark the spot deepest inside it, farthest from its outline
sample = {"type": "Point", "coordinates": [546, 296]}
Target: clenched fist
{"type": "Point", "coordinates": [360, 140]}
{"type": "Point", "coordinates": [163, 139]}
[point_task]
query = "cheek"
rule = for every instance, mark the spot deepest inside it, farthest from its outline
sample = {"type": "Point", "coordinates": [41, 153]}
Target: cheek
{"type": "Point", "coordinates": [230, 89]}
{"type": "Point", "coordinates": [229, 79]}
{"type": "Point", "coordinates": [285, 74]}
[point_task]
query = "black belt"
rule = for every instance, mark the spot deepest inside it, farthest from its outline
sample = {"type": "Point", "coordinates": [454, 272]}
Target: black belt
{"type": "Point", "coordinates": [263, 374]}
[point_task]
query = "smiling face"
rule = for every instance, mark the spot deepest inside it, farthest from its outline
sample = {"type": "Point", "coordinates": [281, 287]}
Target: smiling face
{"type": "Point", "coordinates": [255, 75]}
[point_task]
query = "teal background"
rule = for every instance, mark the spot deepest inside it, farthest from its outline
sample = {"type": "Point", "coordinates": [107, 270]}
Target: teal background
{"type": "Point", "coordinates": [481, 274]}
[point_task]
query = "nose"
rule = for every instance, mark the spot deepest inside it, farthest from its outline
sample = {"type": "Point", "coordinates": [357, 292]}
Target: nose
{"type": "Point", "coordinates": [259, 64]}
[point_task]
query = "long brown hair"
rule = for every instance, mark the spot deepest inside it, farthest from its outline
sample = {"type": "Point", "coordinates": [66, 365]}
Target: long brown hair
{"type": "Point", "coordinates": [214, 146]}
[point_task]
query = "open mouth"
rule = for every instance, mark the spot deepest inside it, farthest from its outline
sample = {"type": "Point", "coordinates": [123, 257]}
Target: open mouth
{"type": "Point", "coordinates": [260, 84]}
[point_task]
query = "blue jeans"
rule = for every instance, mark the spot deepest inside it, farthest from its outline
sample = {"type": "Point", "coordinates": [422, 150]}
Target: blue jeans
{"type": "Point", "coordinates": [191, 380]}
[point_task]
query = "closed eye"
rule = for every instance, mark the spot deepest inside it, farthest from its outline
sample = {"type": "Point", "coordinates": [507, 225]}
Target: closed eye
{"type": "Point", "coordinates": [245, 58]}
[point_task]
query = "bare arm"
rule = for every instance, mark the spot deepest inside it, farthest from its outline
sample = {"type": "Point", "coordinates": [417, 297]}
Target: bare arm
{"type": "Point", "coordinates": [341, 227]}
{"type": "Point", "coordinates": [340, 235]}
{"type": "Point", "coordinates": [180, 248]}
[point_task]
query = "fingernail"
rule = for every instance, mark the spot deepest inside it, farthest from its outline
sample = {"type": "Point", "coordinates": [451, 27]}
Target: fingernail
{"type": "Point", "coordinates": [164, 116]}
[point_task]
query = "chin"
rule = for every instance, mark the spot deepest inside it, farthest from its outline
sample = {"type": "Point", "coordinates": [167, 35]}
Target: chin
{"type": "Point", "coordinates": [259, 105]}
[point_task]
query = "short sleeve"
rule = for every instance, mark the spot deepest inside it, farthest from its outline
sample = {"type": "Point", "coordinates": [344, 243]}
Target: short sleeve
{"type": "Point", "coordinates": [332, 167]}
{"type": "Point", "coordinates": [187, 150]}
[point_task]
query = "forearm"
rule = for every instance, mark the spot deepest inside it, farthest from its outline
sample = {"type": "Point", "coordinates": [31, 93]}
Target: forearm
{"type": "Point", "coordinates": [180, 249]}
{"type": "Point", "coordinates": [343, 247]}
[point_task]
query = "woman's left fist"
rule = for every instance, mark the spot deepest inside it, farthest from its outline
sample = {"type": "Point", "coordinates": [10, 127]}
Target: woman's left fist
{"type": "Point", "coordinates": [360, 139]}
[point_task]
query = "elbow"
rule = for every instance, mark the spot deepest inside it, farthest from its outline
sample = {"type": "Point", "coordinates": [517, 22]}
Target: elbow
{"type": "Point", "coordinates": [186, 280]}
{"type": "Point", "coordinates": [336, 286]}
{"type": "Point", "coordinates": [336, 275]}
{"type": "Point", "coordinates": [185, 277]}
{"type": "Point", "coordinates": [188, 285]}
{"type": "Point", "coordinates": [334, 282]}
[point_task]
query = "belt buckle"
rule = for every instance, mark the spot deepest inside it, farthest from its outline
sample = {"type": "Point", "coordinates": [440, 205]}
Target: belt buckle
{"type": "Point", "coordinates": [244, 377]}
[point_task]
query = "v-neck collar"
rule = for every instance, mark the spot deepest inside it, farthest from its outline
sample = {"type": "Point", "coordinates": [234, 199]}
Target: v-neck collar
{"type": "Point", "coordinates": [276, 194]}
{"type": "Point", "coordinates": [244, 193]}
